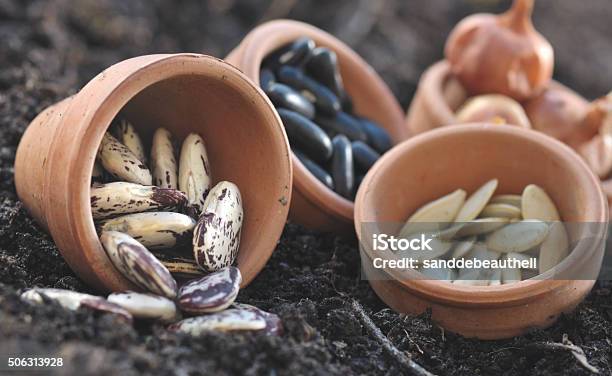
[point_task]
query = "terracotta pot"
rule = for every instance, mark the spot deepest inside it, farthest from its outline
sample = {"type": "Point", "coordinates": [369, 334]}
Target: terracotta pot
{"type": "Point", "coordinates": [439, 95]}
{"type": "Point", "coordinates": [313, 204]}
{"type": "Point", "coordinates": [464, 156]}
{"type": "Point", "coordinates": [185, 93]}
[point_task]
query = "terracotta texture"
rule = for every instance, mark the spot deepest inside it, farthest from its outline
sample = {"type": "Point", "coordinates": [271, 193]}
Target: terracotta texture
{"type": "Point", "coordinates": [185, 93]}
{"type": "Point", "coordinates": [313, 204]}
{"type": "Point", "coordinates": [428, 166]}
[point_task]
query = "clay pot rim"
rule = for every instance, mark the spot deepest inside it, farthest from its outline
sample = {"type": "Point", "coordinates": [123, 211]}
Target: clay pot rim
{"type": "Point", "coordinates": [432, 85]}
{"type": "Point", "coordinates": [258, 44]}
{"type": "Point", "coordinates": [107, 107]}
{"type": "Point", "coordinates": [510, 294]}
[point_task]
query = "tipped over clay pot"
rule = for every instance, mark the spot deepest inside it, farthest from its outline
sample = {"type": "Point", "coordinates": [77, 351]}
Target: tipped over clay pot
{"type": "Point", "coordinates": [313, 204]}
{"type": "Point", "coordinates": [439, 95]}
{"type": "Point", "coordinates": [184, 93]}
{"type": "Point", "coordinates": [464, 156]}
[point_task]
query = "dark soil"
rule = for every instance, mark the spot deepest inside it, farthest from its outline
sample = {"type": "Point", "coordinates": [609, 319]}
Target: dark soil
{"type": "Point", "coordinates": [48, 50]}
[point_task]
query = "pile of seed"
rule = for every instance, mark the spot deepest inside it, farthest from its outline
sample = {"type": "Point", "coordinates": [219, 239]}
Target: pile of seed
{"type": "Point", "coordinates": [336, 145]}
{"type": "Point", "coordinates": [135, 218]}
{"type": "Point", "coordinates": [486, 226]}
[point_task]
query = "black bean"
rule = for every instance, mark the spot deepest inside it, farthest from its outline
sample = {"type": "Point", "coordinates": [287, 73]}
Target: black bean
{"type": "Point", "coordinates": [342, 166]}
{"type": "Point", "coordinates": [378, 137]}
{"type": "Point", "coordinates": [324, 99]}
{"type": "Point", "coordinates": [266, 78]}
{"type": "Point", "coordinates": [345, 124]}
{"type": "Point", "coordinates": [315, 169]}
{"type": "Point", "coordinates": [306, 135]}
{"type": "Point", "coordinates": [346, 102]}
{"type": "Point", "coordinates": [284, 96]}
{"type": "Point", "coordinates": [364, 155]}
{"type": "Point", "coordinates": [323, 67]}
{"type": "Point", "coordinates": [295, 53]}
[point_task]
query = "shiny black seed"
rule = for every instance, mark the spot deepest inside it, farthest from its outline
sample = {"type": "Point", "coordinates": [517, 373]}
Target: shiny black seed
{"type": "Point", "coordinates": [315, 170]}
{"type": "Point", "coordinates": [284, 96]}
{"type": "Point", "coordinates": [345, 124]}
{"type": "Point", "coordinates": [323, 67]}
{"type": "Point", "coordinates": [342, 166]}
{"type": "Point", "coordinates": [306, 135]}
{"type": "Point", "coordinates": [266, 78]}
{"type": "Point", "coordinates": [323, 98]}
{"type": "Point", "coordinates": [295, 53]}
{"type": "Point", "coordinates": [378, 137]}
{"type": "Point", "coordinates": [364, 155]}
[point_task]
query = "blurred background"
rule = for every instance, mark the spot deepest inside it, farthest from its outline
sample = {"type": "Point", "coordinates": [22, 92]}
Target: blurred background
{"type": "Point", "coordinates": [64, 43]}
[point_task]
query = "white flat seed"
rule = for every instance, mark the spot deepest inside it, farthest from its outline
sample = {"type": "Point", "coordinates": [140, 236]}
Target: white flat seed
{"type": "Point", "coordinates": [448, 233]}
{"type": "Point", "coordinates": [230, 320]}
{"type": "Point", "coordinates": [518, 237]}
{"type": "Point", "coordinates": [496, 277]}
{"type": "Point", "coordinates": [137, 264]}
{"type": "Point", "coordinates": [554, 248]}
{"type": "Point", "coordinates": [536, 204]}
{"type": "Point", "coordinates": [438, 247]}
{"type": "Point", "coordinates": [155, 230]}
{"type": "Point", "coordinates": [113, 199]}
{"type": "Point", "coordinates": [471, 277]}
{"type": "Point", "coordinates": [480, 252]}
{"type": "Point", "coordinates": [216, 237]}
{"type": "Point", "coordinates": [434, 214]}
{"type": "Point", "coordinates": [518, 256]}
{"type": "Point", "coordinates": [212, 293]}
{"type": "Point", "coordinates": [510, 275]}
{"type": "Point", "coordinates": [73, 300]}
{"type": "Point", "coordinates": [461, 248]}
{"type": "Point", "coordinates": [476, 202]}
{"type": "Point", "coordinates": [120, 162]}
{"type": "Point", "coordinates": [440, 274]}
{"type": "Point", "coordinates": [127, 135]}
{"type": "Point", "coordinates": [194, 172]}
{"type": "Point", "coordinates": [146, 306]}
{"type": "Point", "coordinates": [481, 226]}
{"type": "Point", "coordinates": [501, 210]}
{"type": "Point", "coordinates": [163, 160]}
{"type": "Point", "coordinates": [509, 199]}
{"type": "Point", "coordinates": [274, 325]}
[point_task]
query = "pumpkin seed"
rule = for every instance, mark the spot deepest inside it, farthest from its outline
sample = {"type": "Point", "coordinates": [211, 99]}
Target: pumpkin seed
{"type": "Point", "coordinates": [476, 202]}
{"type": "Point", "coordinates": [501, 210]}
{"type": "Point", "coordinates": [438, 247]}
{"type": "Point", "coordinates": [462, 248]}
{"type": "Point", "coordinates": [127, 135]}
{"type": "Point", "coordinates": [137, 264]}
{"type": "Point", "coordinates": [112, 199]}
{"type": "Point", "coordinates": [481, 226]}
{"type": "Point", "coordinates": [440, 274]}
{"type": "Point", "coordinates": [211, 293]}
{"type": "Point", "coordinates": [155, 230]}
{"type": "Point", "coordinates": [496, 277]}
{"type": "Point", "coordinates": [146, 306]}
{"type": "Point", "coordinates": [554, 248]}
{"type": "Point", "coordinates": [509, 199]}
{"type": "Point", "coordinates": [429, 217]}
{"type": "Point", "coordinates": [230, 320]}
{"type": "Point", "coordinates": [120, 162]}
{"type": "Point", "coordinates": [518, 256]}
{"type": "Point", "coordinates": [194, 172]}
{"type": "Point", "coordinates": [510, 275]}
{"type": "Point", "coordinates": [518, 237]}
{"type": "Point", "coordinates": [163, 161]}
{"type": "Point", "coordinates": [536, 204]}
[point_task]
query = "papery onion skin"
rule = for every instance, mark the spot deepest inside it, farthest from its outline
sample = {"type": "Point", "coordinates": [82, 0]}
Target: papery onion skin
{"type": "Point", "coordinates": [501, 54]}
